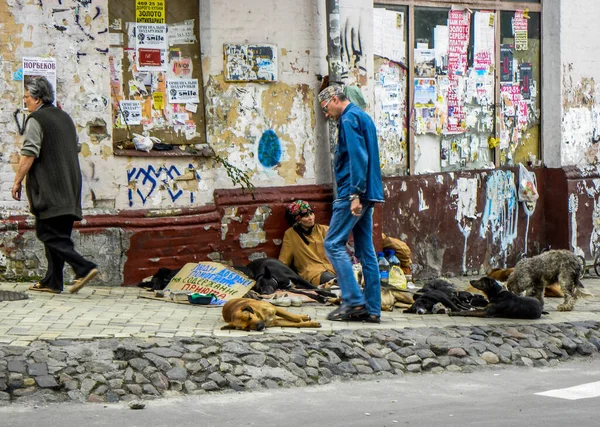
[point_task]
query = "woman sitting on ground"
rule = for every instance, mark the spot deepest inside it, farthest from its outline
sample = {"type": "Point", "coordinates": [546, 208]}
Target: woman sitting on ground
{"type": "Point", "coordinates": [303, 248]}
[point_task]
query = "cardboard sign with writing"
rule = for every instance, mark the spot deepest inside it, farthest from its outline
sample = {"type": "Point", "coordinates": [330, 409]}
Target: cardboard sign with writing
{"type": "Point", "coordinates": [211, 278]}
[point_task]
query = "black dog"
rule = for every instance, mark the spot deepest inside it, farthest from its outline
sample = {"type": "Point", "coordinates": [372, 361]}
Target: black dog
{"type": "Point", "coordinates": [503, 303]}
{"type": "Point", "coordinates": [436, 292]}
{"type": "Point", "coordinates": [160, 280]}
{"type": "Point", "coordinates": [271, 274]}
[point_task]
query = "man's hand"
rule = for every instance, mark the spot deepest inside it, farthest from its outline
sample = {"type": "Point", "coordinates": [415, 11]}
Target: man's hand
{"type": "Point", "coordinates": [25, 163]}
{"type": "Point", "coordinates": [356, 207]}
{"type": "Point", "coordinates": [16, 191]}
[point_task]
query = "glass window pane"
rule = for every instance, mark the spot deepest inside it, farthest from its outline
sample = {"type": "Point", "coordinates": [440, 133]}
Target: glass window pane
{"type": "Point", "coordinates": [391, 92]}
{"type": "Point", "coordinates": [520, 61]}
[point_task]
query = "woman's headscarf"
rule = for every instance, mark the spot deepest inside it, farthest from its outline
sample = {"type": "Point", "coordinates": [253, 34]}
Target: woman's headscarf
{"type": "Point", "coordinates": [296, 211]}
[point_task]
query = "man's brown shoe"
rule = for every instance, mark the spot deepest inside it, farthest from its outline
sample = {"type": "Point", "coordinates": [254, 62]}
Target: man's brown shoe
{"type": "Point", "coordinates": [82, 281]}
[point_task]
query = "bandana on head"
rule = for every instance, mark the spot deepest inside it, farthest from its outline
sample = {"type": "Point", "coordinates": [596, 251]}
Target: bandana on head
{"type": "Point", "coordinates": [329, 92]}
{"type": "Point", "coordinates": [298, 209]}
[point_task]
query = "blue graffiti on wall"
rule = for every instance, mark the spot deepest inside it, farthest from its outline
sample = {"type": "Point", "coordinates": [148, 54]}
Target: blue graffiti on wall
{"type": "Point", "coordinates": [501, 209]}
{"type": "Point", "coordinates": [149, 179]}
{"type": "Point", "coordinates": [269, 149]}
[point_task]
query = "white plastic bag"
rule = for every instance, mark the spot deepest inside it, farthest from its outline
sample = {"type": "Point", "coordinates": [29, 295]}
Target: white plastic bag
{"type": "Point", "coordinates": [142, 143]}
{"type": "Point", "coordinates": [527, 185]}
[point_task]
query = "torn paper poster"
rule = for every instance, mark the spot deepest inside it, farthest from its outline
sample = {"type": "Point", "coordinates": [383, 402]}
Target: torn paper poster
{"type": "Point", "coordinates": [182, 33]}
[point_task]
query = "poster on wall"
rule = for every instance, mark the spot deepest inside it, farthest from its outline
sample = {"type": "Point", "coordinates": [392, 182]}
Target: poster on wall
{"type": "Point", "coordinates": [519, 25]}
{"type": "Point", "coordinates": [526, 77]}
{"type": "Point", "coordinates": [388, 35]}
{"type": "Point", "coordinates": [40, 67]}
{"type": "Point", "coordinates": [425, 92]}
{"type": "Point", "coordinates": [150, 11]}
{"type": "Point", "coordinates": [151, 36]}
{"type": "Point", "coordinates": [440, 43]}
{"type": "Point", "coordinates": [425, 62]}
{"type": "Point", "coordinates": [182, 91]}
{"type": "Point", "coordinates": [458, 40]}
{"type": "Point", "coordinates": [182, 33]}
{"type": "Point", "coordinates": [244, 63]}
{"type": "Point", "coordinates": [484, 44]}
{"type": "Point", "coordinates": [131, 112]}
{"type": "Point", "coordinates": [506, 63]}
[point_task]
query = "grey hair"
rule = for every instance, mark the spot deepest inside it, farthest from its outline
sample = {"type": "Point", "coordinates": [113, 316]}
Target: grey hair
{"type": "Point", "coordinates": [40, 88]}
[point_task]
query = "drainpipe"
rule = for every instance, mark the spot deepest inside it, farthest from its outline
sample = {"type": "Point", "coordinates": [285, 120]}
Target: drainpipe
{"type": "Point", "coordinates": [334, 48]}
{"type": "Point", "coordinates": [334, 63]}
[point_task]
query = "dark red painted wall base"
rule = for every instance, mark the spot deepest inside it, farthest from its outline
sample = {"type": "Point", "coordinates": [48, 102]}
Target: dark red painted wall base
{"type": "Point", "coordinates": [437, 243]}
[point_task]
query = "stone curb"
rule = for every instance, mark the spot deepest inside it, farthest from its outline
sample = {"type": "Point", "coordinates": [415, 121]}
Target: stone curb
{"type": "Point", "coordinates": [113, 370]}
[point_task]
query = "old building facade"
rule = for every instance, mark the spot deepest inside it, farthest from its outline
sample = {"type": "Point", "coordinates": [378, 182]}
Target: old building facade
{"type": "Point", "coordinates": [461, 92]}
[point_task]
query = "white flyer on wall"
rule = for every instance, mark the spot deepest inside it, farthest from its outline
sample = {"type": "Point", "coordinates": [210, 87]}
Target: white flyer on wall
{"type": "Point", "coordinates": [131, 112]}
{"type": "Point", "coordinates": [40, 67]}
{"type": "Point", "coordinates": [183, 91]}
{"type": "Point", "coordinates": [182, 33]}
{"type": "Point", "coordinates": [151, 36]}
{"type": "Point", "coordinates": [388, 35]}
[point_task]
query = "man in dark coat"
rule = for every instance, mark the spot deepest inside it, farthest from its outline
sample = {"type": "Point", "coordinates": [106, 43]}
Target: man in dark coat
{"type": "Point", "coordinates": [49, 160]}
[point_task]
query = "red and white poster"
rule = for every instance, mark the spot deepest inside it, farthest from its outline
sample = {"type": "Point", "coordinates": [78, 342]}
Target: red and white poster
{"type": "Point", "coordinates": [459, 23]}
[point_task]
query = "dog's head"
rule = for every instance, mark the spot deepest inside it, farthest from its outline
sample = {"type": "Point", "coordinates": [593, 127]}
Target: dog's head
{"type": "Point", "coordinates": [488, 286]}
{"type": "Point", "coordinates": [266, 284]}
{"type": "Point", "coordinates": [422, 305]}
{"type": "Point", "coordinates": [246, 318]}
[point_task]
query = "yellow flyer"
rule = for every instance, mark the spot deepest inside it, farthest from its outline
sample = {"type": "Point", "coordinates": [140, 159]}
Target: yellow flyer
{"type": "Point", "coordinates": [150, 11]}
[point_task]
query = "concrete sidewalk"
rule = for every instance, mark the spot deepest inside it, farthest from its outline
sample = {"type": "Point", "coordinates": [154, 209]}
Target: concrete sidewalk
{"type": "Point", "coordinates": [102, 312]}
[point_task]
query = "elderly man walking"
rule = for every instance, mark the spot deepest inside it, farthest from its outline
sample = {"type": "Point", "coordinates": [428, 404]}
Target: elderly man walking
{"type": "Point", "coordinates": [49, 159]}
{"type": "Point", "coordinates": [359, 187]}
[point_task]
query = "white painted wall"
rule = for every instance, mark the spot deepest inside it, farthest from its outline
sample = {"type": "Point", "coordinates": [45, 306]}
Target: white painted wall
{"type": "Point", "coordinates": [580, 35]}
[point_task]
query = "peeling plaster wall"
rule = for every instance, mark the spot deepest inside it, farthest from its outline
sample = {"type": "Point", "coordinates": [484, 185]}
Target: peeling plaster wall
{"type": "Point", "coordinates": [267, 129]}
{"type": "Point", "coordinates": [463, 222]}
{"type": "Point", "coordinates": [75, 33]}
{"type": "Point", "coordinates": [581, 70]}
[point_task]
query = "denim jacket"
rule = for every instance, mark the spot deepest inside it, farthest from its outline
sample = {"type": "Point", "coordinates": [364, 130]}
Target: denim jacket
{"type": "Point", "coordinates": [356, 162]}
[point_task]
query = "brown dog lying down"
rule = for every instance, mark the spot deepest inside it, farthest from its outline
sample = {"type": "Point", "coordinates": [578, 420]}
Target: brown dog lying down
{"type": "Point", "coordinates": [503, 303]}
{"type": "Point", "coordinates": [252, 315]}
{"type": "Point", "coordinates": [502, 274]}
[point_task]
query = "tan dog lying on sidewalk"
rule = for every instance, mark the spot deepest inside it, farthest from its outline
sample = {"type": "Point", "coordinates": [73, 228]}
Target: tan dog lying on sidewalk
{"type": "Point", "coordinates": [252, 315]}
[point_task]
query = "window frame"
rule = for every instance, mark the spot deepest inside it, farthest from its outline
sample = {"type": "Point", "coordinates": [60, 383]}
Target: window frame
{"type": "Point", "coordinates": [496, 6]}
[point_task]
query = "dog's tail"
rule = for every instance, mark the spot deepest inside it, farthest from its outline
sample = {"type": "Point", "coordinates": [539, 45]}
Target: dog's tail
{"type": "Point", "coordinates": [581, 292]}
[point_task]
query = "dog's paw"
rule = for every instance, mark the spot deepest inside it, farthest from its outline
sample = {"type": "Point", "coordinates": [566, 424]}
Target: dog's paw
{"type": "Point", "coordinates": [314, 325]}
{"type": "Point", "coordinates": [563, 307]}
{"type": "Point", "coordinates": [305, 317]}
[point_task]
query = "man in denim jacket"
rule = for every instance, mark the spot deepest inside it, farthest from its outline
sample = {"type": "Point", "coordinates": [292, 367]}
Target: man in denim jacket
{"type": "Point", "coordinates": [359, 187]}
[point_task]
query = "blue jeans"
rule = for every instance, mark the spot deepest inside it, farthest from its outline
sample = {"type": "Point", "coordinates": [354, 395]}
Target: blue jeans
{"type": "Point", "coordinates": [342, 223]}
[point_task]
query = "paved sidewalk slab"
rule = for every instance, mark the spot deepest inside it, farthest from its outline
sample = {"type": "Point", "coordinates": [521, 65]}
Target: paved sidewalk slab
{"type": "Point", "coordinates": [101, 312]}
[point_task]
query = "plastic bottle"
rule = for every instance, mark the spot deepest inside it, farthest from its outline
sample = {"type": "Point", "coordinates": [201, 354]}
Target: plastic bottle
{"type": "Point", "coordinates": [384, 268]}
{"type": "Point", "coordinates": [397, 279]}
{"type": "Point", "coordinates": [391, 257]}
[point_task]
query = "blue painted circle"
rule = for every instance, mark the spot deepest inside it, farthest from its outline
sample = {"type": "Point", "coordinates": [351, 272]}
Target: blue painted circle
{"type": "Point", "coordinates": [269, 149]}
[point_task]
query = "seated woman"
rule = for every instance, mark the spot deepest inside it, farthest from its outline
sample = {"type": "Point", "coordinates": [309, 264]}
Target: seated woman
{"type": "Point", "coordinates": [303, 248]}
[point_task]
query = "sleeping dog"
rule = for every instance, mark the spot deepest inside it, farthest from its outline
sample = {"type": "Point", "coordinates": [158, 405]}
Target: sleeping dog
{"type": "Point", "coordinates": [271, 274]}
{"type": "Point", "coordinates": [252, 315]}
{"type": "Point", "coordinates": [434, 294]}
{"type": "Point", "coordinates": [503, 303]}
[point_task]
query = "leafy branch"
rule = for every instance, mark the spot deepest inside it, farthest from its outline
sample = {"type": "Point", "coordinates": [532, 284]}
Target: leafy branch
{"type": "Point", "coordinates": [237, 176]}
